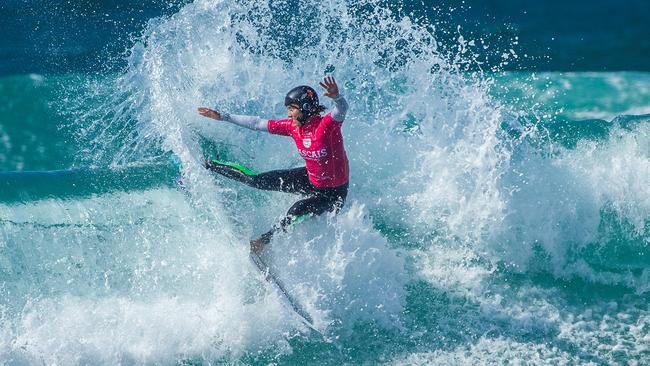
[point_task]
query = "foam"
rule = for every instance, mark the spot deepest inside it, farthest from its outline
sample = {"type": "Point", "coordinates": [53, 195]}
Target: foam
{"type": "Point", "coordinates": [121, 277]}
{"type": "Point", "coordinates": [574, 204]}
{"type": "Point", "coordinates": [167, 284]}
{"type": "Point", "coordinates": [488, 351]}
{"type": "Point", "coordinates": [73, 330]}
{"type": "Point", "coordinates": [345, 269]}
{"type": "Point", "coordinates": [525, 321]}
{"type": "Point", "coordinates": [161, 276]}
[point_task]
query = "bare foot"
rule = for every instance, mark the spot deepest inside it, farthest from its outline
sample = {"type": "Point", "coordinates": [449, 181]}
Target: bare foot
{"type": "Point", "coordinates": [257, 245]}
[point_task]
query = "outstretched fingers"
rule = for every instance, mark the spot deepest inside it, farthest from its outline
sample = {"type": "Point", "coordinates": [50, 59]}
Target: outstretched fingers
{"type": "Point", "coordinates": [329, 84]}
{"type": "Point", "coordinates": [207, 112]}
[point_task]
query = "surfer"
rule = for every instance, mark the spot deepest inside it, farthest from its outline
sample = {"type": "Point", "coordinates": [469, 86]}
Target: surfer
{"type": "Point", "coordinates": [323, 182]}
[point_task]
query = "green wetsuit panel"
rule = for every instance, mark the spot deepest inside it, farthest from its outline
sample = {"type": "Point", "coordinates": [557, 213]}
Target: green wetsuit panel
{"type": "Point", "coordinates": [239, 167]}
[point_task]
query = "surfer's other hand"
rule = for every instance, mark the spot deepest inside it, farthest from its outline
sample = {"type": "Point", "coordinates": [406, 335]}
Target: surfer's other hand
{"type": "Point", "coordinates": [207, 112]}
{"type": "Point", "coordinates": [331, 89]}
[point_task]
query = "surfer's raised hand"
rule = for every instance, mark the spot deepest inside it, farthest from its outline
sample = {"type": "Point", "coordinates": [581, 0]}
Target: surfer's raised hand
{"type": "Point", "coordinates": [331, 89]}
{"type": "Point", "coordinates": [207, 112]}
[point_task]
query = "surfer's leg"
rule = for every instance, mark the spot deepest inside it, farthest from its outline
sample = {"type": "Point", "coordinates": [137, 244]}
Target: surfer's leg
{"type": "Point", "coordinates": [325, 200]}
{"type": "Point", "coordinates": [231, 170]}
{"type": "Point", "coordinates": [286, 180]}
{"type": "Point", "coordinates": [330, 199]}
{"type": "Point", "coordinates": [298, 212]}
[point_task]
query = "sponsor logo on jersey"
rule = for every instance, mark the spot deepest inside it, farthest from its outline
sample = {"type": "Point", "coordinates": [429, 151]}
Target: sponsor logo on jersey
{"type": "Point", "coordinates": [313, 155]}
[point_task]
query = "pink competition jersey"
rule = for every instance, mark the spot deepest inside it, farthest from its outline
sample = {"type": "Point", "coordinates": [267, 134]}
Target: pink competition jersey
{"type": "Point", "coordinates": [320, 143]}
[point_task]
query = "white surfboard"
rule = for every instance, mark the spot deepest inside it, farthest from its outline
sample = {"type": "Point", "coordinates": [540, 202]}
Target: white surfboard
{"type": "Point", "coordinates": [289, 301]}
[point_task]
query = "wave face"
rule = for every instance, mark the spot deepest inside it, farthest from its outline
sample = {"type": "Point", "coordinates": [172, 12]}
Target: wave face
{"type": "Point", "coordinates": [484, 222]}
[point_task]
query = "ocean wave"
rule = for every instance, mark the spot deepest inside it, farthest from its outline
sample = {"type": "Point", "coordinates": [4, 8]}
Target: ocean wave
{"type": "Point", "coordinates": [455, 194]}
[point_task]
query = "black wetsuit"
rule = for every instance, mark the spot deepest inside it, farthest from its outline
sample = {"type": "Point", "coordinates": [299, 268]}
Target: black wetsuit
{"type": "Point", "coordinates": [316, 201]}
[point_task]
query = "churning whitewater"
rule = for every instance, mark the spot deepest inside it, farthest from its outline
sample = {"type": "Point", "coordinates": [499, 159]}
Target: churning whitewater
{"type": "Point", "coordinates": [475, 230]}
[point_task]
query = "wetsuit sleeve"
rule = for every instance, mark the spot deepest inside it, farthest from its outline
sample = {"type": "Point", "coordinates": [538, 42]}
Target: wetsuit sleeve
{"type": "Point", "coordinates": [340, 109]}
{"type": "Point", "coordinates": [250, 122]}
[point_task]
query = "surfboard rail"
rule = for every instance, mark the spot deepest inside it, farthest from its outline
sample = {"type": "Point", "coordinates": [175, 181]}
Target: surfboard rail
{"type": "Point", "coordinates": [287, 299]}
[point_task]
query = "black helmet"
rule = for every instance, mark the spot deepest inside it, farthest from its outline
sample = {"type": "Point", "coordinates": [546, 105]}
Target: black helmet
{"type": "Point", "coordinates": [306, 99]}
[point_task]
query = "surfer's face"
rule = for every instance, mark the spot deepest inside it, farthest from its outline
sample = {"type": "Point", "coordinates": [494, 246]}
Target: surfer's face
{"type": "Point", "coordinates": [294, 113]}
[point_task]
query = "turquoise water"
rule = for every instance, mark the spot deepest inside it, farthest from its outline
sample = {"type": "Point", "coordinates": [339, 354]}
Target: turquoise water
{"type": "Point", "coordinates": [493, 218]}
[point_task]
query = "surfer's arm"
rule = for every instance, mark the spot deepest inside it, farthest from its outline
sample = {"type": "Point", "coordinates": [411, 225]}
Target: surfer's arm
{"type": "Point", "coordinates": [340, 108]}
{"type": "Point", "coordinates": [250, 122]}
{"type": "Point", "coordinates": [332, 91]}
